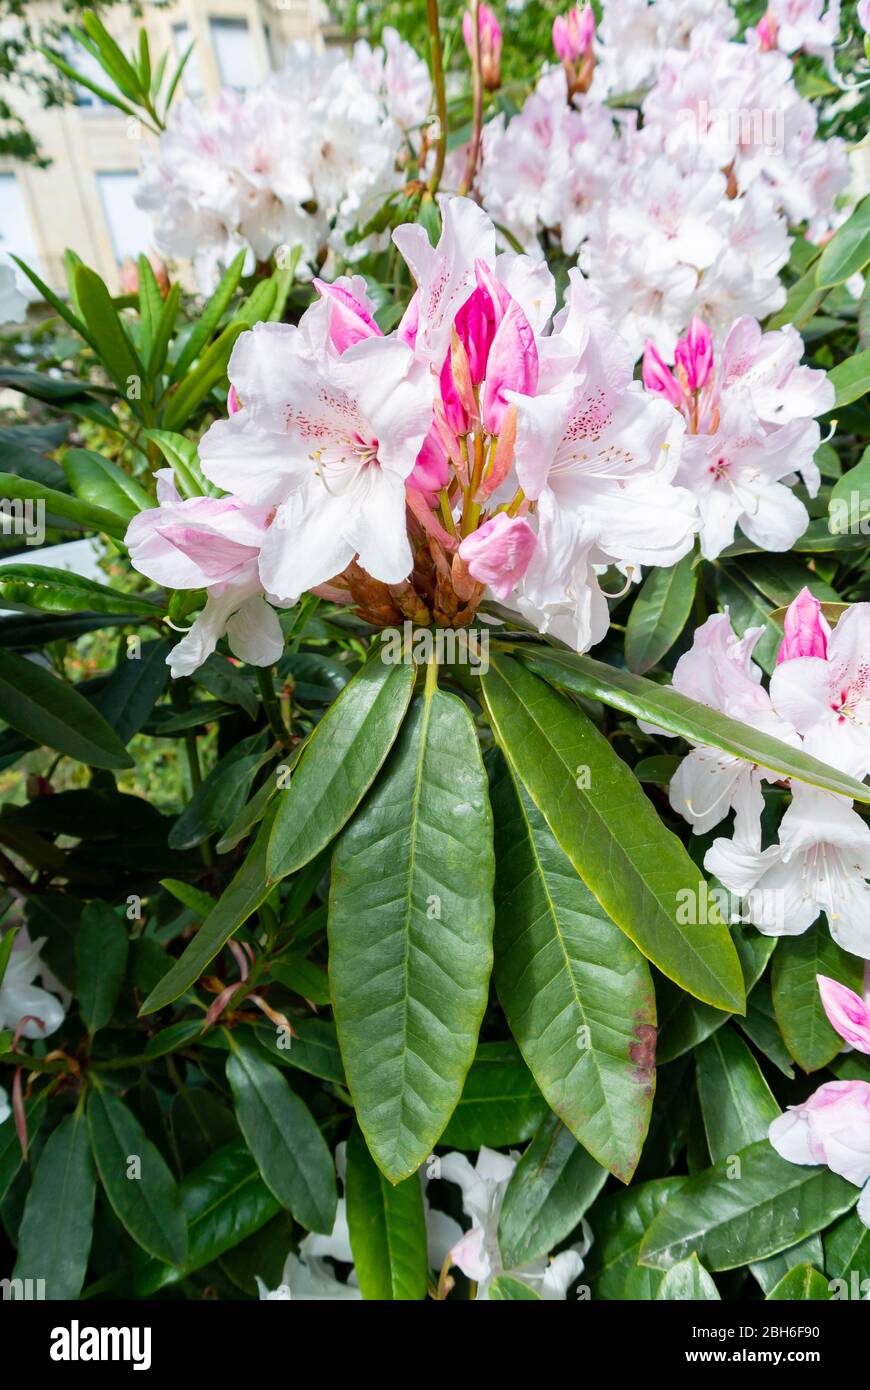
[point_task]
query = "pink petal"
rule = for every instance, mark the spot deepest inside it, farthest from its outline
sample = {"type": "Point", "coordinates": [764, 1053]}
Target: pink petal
{"type": "Point", "coordinates": [694, 354]}
{"type": "Point", "coordinates": [806, 629]}
{"type": "Point", "coordinates": [658, 377]}
{"type": "Point", "coordinates": [512, 365]}
{"type": "Point", "coordinates": [847, 1013]}
{"type": "Point", "coordinates": [350, 320]}
{"type": "Point", "coordinates": [499, 552]}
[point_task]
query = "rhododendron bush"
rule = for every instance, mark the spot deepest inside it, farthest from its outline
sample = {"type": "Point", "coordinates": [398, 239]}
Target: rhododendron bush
{"type": "Point", "coordinates": [436, 849]}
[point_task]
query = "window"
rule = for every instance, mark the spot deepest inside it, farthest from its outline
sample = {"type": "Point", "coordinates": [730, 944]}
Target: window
{"type": "Point", "coordinates": [234, 53]}
{"type": "Point", "coordinates": [16, 232]}
{"type": "Point", "coordinates": [191, 78]}
{"type": "Point", "coordinates": [129, 226]}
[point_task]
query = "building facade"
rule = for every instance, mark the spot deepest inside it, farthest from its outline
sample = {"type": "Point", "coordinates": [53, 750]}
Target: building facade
{"type": "Point", "coordinates": [84, 199]}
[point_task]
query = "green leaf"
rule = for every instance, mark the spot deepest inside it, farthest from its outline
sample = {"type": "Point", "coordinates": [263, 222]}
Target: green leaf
{"type": "Point", "coordinates": [594, 806]}
{"type": "Point", "coordinates": [11, 1157]}
{"type": "Point", "coordinates": [144, 1196]}
{"type": "Point", "coordinates": [339, 764]}
{"type": "Point", "coordinates": [803, 300]}
{"type": "Point", "coordinates": [677, 714]}
{"type": "Point", "coordinates": [62, 591]}
{"type": "Point", "coordinates": [577, 994]}
{"type": "Point", "coordinates": [225, 1200]}
{"type": "Point", "coordinates": [182, 456]}
{"type": "Point", "coordinates": [134, 687]}
{"type": "Point", "coordinates": [659, 613]}
{"type": "Point", "coordinates": [60, 308]}
{"type": "Point", "coordinates": [116, 352]}
{"type": "Point", "coordinates": [684, 1022]}
{"type": "Point", "coordinates": [769, 1272]}
{"type": "Point", "coordinates": [410, 932]}
{"type": "Point", "coordinates": [283, 1136]}
{"type": "Point", "coordinates": [60, 504]}
{"type": "Point", "coordinates": [506, 1288]}
{"type": "Point", "coordinates": [851, 379]}
{"type": "Point", "coordinates": [314, 1048]}
{"type": "Point", "coordinates": [211, 370]}
{"type": "Point", "coordinates": [802, 1020]}
{"type": "Point", "coordinates": [54, 1239]}
{"type": "Point", "coordinates": [101, 959]}
{"type": "Point", "coordinates": [760, 1027]}
{"type": "Point", "coordinates": [243, 896]}
{"type": "Point", "coordinates": [221, 678]}
{"type": "Point", "coordinates": [552, 1187]}
{"type": "Point", "coordinates": [849, 503]}
{"type": "Point", "coordinates": [220, 796]}
{"type": "Point", "coordinates": [101, 482]}
{"type": "Point", "coordinates": [37, 704]}
{"type": "Point", "coordinates": [302, 976]}
{"type": "Point", "coordinates": [688, 1280]}
{"type": "Point", "coordinates": [847, 1251]}
{"type": "Point", "coordinates": [803, 1284]}
{"type": "Point", "coordinates": [619, 1224]}
{"type": "Point", "coordinates": [387, 1228]}
{"type": "Point", "coordinates": [500, 1102]}
{"type": "Point", "coordinates": [209, 318]}
{"type": "Point", "coordinates": [736, 1102]}
{"type": "Point", "coordinates": [729, 1217]}
{"type": "Point", "coordinates": [848, 251]}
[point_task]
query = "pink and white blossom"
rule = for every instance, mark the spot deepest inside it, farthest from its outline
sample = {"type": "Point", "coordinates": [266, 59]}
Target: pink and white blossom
{"type": "Point", "coordinates": [832, 1127]}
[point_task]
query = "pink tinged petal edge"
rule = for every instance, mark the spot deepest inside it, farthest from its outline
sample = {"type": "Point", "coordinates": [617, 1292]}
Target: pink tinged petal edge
{"type": "Point", "coordinates": [847, 1012]}
{"type": "Point", "coordinates": [806, 629]}
{"type": "Point", "coordinates": [512, 366]}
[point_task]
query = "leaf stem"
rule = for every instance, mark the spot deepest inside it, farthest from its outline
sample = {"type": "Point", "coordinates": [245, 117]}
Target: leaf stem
{"type": "Point", "coordinates": [477, 101]}
{"type": "Point", "coordinates": [272, 707]}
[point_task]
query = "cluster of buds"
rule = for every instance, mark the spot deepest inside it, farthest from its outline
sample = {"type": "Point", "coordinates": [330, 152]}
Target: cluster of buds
{"type": "Point", "coordinates": [573, 37]}
{"type": "Point", "coordinates": [689, 385]}
{"type": "Point", "coordinates": [489, 35]}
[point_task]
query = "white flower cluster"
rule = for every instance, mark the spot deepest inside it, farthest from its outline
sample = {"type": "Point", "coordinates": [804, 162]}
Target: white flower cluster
{"type": "Point", "coordinates": [686, 210]}
{"type": "Point", "coordinates": [297, 161]}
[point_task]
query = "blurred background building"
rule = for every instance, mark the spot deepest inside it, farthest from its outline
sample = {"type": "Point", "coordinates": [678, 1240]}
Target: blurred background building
{"type": "Point", "coordinates": [84, 198]}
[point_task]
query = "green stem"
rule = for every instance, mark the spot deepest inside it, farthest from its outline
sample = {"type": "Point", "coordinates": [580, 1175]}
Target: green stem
{"type": "Point", "coordinates": [271, 706]}
{"type": "Point", "coordinates": [440, 93]}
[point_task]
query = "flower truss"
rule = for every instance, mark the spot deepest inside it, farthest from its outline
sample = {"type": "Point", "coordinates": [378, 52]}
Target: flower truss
{"type": "Point", "coordinates": [296, 161]}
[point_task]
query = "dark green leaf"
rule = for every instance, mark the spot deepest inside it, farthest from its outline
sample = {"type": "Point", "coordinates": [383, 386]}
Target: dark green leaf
{"type": "Point", "coordinates": [387, 1228]}
{"type": "Point", "coordinates": [37, 704]}
{"type": "Point", "coordinates": [54, 1239]}
{"type": "Point", "coordinates": [552, 1187]}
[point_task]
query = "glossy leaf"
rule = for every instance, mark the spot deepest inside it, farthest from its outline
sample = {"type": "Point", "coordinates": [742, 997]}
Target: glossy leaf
{"type": "Point", "coordinates": [283, 1136]}
{"type": "Point", "coordinates": [803, 1023]}
{"type": "Point", "coordinates": [101, 958]}
{"type": "Point", "coordinates": [339, 764]}
{"type": "Point", "coordinates": [688, 1280]}
{"type": "Point", "coordinates": [848, 250]}
{"type": "Point", "coordinates": [137, 1182]}
{"type": "Point", "coordinates": [619, 1224]}
{"type": "Point", "coordinates": [552, 1187]}
{"type": "Point", "coordinates": [410, 933]}
{"type": "Point", "coordinates": [36, 703]}
{"type": "Point", "coordinates": [677, 714]}
{"type": "Point", "coordinates": [659, 613]}
{"type": "Point", "coordinates": [577, 994]}
{"type": "Point", "coordinates": [637, 869]}
{"type": "Point", "coordinates": [387, 1228]}
{"type": "Point", "coordinates": [730, 1220]}
{"type": "Point", "coordinates": [802, 1284]}
{"type": "Point", "coordinates": [500, 1102]}
{"type": "Point", "coordinates": [101, 482]}
{"type": "Point", "coordinates": [737, 1104]}
{"type": "Point", "coordinates": [61, 591]}
{"type": "Point", "coordinates": [54, 1239]}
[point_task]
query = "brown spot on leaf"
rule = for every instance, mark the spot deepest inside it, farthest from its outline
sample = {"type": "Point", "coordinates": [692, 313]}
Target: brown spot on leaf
{"type": "Point", "coordinates": [643, 1053]}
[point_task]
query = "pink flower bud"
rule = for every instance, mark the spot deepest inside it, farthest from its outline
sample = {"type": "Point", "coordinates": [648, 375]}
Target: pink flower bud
{"type": "Point", "coordinates": [847, 1013]}
{"type": "Point", "coordinates": [350, 320]}
{"type": "Point", "coordinates": [694, 354]}
{"type": "Point", "coordinates": [499, 552]}
{"type": "Point", "coordinates": [806, 629]}
{"type": "Point", "coordinates": [766, 31]}
{"type": "Point", "coordinates": [233, 402]}
{"type": "Point", "coordinates": [431, 471]}
{"type": "Point", "coordinates": [490, 44]}
{"type": "Point", "coordinates": [574, 32]}
{"type": "Point", "coordinates": [658, 377]}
